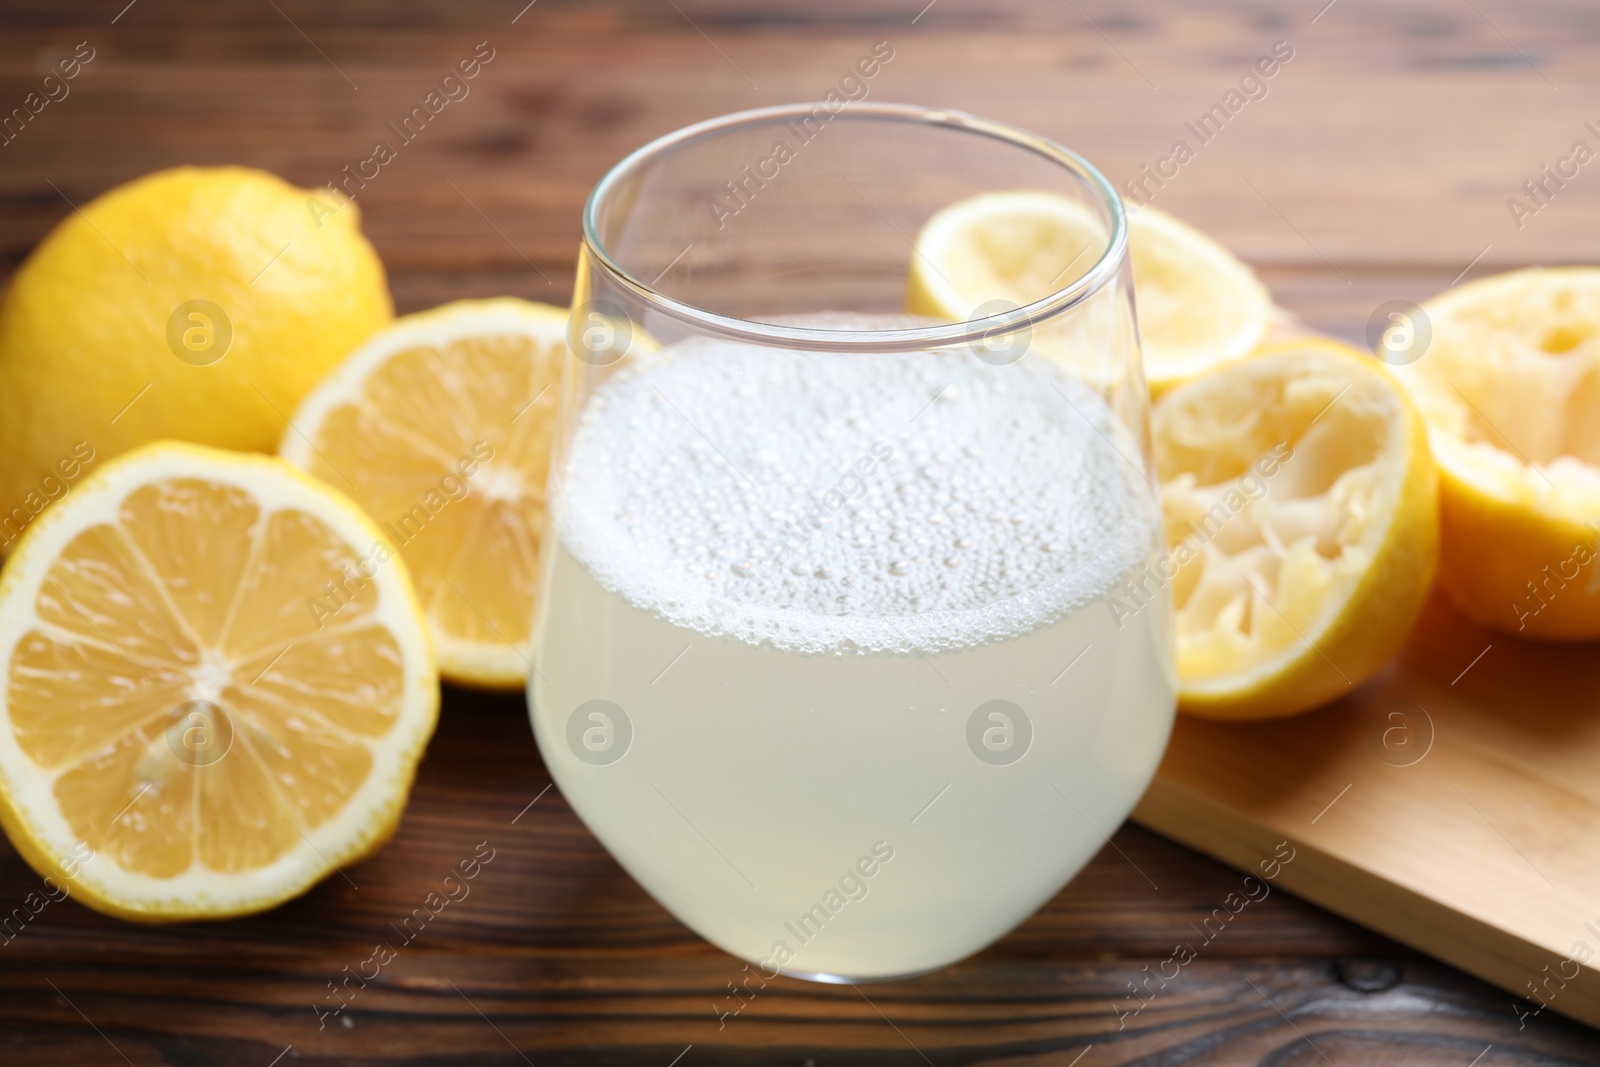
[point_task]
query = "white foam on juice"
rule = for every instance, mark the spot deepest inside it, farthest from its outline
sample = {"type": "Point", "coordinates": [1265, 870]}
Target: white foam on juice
{"type": "Point", "coordinates": [833, 503]}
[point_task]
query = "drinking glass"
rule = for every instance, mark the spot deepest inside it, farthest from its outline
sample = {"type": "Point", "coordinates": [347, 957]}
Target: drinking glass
{"type": "Point", "coordinates": [852, 645]}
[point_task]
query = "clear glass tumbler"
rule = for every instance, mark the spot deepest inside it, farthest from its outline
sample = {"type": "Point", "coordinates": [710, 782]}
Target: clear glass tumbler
{"type": "Point", "coordinates": [850, 650]}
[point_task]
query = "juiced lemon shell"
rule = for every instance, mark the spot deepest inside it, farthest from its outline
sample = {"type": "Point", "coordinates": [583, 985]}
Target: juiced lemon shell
{"type": "Point", "coordinates": [1302, 507]}
{"type": "Point", "coordinates": [1509, 386]}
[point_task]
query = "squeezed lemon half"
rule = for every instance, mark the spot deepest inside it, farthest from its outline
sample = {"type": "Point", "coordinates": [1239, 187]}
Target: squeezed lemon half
{"type": "Point", "coordinates": [1509, 387]}
{"type": "Point", "coordinates": [1301, 505]}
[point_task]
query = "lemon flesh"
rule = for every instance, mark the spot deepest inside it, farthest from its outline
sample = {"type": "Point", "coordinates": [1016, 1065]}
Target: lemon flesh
{"type": "Point", "coordinates": [1509, 387]}
{"type": "Point", "coordinates": [1301, 507]}
{"type": "Point", "coordinates": [1199, 306]}
{"type": "Point", "coordinates": [1012, 246]}
{"type": "Point", "coordinates": [440, 428]}
{"type": "Point", "coordinates": [179, 737]}
{"type": "Point", "coordinates": [195, 303]}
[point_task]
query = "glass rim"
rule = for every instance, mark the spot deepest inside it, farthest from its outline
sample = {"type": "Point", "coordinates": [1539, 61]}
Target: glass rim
{"type": "Point", "coordinates": [968, 332]}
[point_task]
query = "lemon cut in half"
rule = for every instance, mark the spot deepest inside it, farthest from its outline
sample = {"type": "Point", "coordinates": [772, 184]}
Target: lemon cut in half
{"type": "Point", "coordinates": [1301, 509]}
{"type": "Point", "coordinates": [1199, 306]}
{"type": "Point", "coordinates": [440, 427]}
{"type": "Point", "coordinates": [1509, 386]}
{"type": "Point", "coordinates": [181, 738]}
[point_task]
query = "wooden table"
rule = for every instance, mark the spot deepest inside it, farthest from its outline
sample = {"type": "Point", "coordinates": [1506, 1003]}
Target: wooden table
{"type": "Point", "coordinates": [1377, 167]}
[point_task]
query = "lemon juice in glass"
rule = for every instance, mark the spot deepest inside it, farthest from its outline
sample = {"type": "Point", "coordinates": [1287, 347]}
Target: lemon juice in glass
{"type": "Point", "coordinates": [825, 653]}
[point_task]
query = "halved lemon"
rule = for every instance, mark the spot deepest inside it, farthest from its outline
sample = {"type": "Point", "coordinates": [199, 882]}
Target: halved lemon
{"type": "Point", "coordinates": [440, 427]}
{"type": "Point", "coordinates": [1509, 387]}
{"type": "Point", "coordinates": [180, 738]}
{"type": "Point", "coordinates": [1199, 306]}
{"type": "Point", "coordinates": [1302, 512]}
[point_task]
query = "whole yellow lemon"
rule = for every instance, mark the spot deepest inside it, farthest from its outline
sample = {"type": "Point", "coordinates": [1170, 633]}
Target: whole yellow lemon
{"type": "Point", "coordinates": [199, 303]}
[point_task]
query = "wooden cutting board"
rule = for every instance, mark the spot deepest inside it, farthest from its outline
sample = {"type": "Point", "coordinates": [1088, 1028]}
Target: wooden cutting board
{"type": "Point", "coordinates": [1453, 803]}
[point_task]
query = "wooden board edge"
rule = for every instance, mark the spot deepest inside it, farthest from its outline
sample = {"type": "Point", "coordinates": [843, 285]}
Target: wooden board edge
{"type": "Point", "coordinates": [1493, 954]}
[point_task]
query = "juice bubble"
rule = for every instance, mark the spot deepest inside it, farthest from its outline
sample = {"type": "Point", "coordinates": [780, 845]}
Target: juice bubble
{"type": "Point", "coordinates": [827, 503]}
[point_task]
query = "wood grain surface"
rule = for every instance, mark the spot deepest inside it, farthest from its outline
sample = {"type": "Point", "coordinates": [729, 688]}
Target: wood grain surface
{"type": "Point", "coordinates": [1451, 804]}
{"type": "Point", "coordinates": [1377, 167]}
